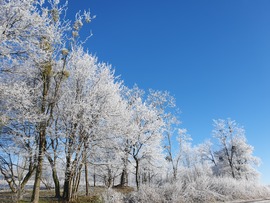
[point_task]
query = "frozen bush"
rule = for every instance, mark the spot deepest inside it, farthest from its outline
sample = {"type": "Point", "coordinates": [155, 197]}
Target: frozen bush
{"type": "Point", "coordinates": [200, 189]}
{"type": "Point", "coordinates": [149, 194]}
{"type": "Point", "coordinates": [111, 196]}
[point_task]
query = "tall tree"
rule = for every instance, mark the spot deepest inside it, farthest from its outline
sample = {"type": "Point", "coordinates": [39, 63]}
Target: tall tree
{"type": "Point", "coordinates": [33, 63]}
{"type": "Point", "coordinates": [90, 111]}
{"type": "Point", "coordinates": [147, 132]}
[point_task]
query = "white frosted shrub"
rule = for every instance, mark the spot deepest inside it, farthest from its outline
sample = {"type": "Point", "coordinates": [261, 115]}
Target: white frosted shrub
{"type": "Point", "coordinates": [173, 192]}
{"type": "Point", "coordinates": [150, 194]}
{"type": "Point", "coordinates": [230, 189]}
{"type": "Point", "coordinates": [111, 196]}
{"type": "Point", "coordinates": [203, 189]}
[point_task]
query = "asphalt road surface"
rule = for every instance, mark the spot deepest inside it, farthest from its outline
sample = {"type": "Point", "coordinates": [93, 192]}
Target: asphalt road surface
{"type": "Point", "coordinates": [252, 201]}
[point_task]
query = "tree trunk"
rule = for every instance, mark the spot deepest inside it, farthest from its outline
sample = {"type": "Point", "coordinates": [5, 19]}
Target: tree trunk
{"type": "Point", "coordinates": [175, 172]}
{"type": "Point", "coordinates": [72, 178]}
{"type": "Point", "coordinates": [56, 183]}
{"type": "Point", "coordinates": [68, 172]}
{"type": "Point", "coordinates": [67, 193]}
{"type": "Point", "coordinates": [41, 152]}
{"type": "Point", "coordinates": [124, 178]}
{"type": "Point", "coordinates": [124, 175]}
{"type": "Point", "coordinates": [76, 183]}
{"type": "Point", "coordinates": [94, 176]}
{"type": "Point", "coordinates": [86, 168]}
{"type": "Point", "coordinates": [137, 174]}
{"type": "Point", "coordinates": [54, 176]}
{"type": "Point", "coordinates": [20, 194]}
{"type": "Point", "coordinates": [110, 182]}
{"type": "Point", "coordinates": [27, 177]}
{"type": "Point", "coordinates": [230, 159]}
{"type": "Point", "coordinates": [149, 178]}
{"type": "Point", "coordinates": [67, 178]}
{"type": "Point", "coordinates": [232, 169]}
{"type": "Point", "coordinates": [86, 179]}
{"type": "Point", "coordinates": [42, 138]}
{"type": "Point", "coordinates": [144, 177]}
{"type": "Point", "coordinates": [109, 178]}
{"type": "Point", "coordinates": [71, 186]}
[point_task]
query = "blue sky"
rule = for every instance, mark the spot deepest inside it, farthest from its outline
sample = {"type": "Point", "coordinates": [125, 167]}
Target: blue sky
{"type": "Point", "coordinates": [212, 56]}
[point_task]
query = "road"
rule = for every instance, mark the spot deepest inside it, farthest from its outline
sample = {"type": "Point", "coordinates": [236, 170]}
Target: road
{"type": "Point", "coordinates": [251, 201]}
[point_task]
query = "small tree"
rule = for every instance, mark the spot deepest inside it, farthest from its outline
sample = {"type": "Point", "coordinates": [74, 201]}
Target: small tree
{"type": "Point", "coordinates": [234, 158]}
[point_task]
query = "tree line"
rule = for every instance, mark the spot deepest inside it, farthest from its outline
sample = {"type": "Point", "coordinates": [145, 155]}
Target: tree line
{"type": "Point", "coordinates": [62, 110]}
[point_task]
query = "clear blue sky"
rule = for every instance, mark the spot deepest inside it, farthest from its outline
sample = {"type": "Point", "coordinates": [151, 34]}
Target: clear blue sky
{"type": "Point", "coordinates": [213, 56]}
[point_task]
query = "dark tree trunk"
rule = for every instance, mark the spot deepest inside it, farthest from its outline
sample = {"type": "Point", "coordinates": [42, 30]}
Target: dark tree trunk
{"type": "Point", "coordinates": [41, 138]}
{"type": "Point", "coordinates": [41, 152]}
{"type": "Point", "coordinates": [67, 179]}
{"type": "Point", "coordinates": [124, 175]}
{"type": "Point", "coordinates": [27, 177]}
{"type": "Point", "coordinates": [56, 183]}
{"type": "Point", "coordinates": [86, 179]}
{"type": "Point", "coordinates": [68, 173]}
{"type": "Point", "coordinates": [109, 178]}
{"type": "Point", "coordinates": [124, 178]}
{"type": "Point", "coordinates": [175, 172]}
{"type": "Point", "coordinates": [86, 169]}
{"type": "Point", "coordinates": [232, 169]}
{"type": "Point", "coordinates": [94, 176]}
{"type": "Point", "coordinates": [55, 177]}
{"type": "Point", "coordinates": [72, 177]}
{"type": "Point", "coordinates": [137, 174]}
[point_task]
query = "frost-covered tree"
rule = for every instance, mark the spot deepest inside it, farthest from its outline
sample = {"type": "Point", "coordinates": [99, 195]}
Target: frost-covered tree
{"type": "Point", "coordinates": [130, 96]}
{"type": "Point", "coordinates": [17, 157]}
{"type": "Point", "coordinates": [235, 157]}
{"type": "Point", "coordinates": [185, 156]}
{"type": "Point", "coordinates": [147, 132]}
{"type": "Point", "coordinates": [90, 112]}
{"type": "Point", "coordinates": [206, 153]}
{"type": "Point", "coordinates": [167, 111]}
{"type": "Point", "coordinates": [33, 62]}
{"type": "Point", "coordinates": [185, 152]}
{"type": "Point", "coordinates": [30, 37]}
